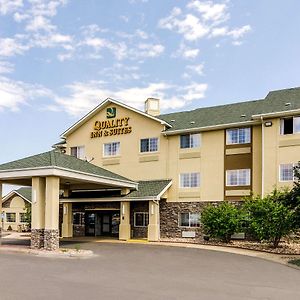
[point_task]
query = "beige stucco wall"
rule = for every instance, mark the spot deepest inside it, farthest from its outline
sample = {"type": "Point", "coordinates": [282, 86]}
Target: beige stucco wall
{"type": "Point", "coordinates": [256, 162]}
{"type": "Point", "coordinates": [128, 162]}
{"type": "Point", "coordinates": [279, 149]}
{"type": "Point", "coordinates": [17, 205]}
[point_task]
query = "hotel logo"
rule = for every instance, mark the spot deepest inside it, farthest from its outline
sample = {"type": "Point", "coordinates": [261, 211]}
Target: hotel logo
{"type": "Point", "coordinates": [111, 112]}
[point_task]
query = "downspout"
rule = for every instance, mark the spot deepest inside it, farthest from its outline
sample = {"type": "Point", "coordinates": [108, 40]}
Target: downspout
{"type": "Point", "coordinates": [262, 157]}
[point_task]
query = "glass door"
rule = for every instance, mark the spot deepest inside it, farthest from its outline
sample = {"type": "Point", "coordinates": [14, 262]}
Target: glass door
{"type": "Point", "coordinates": [90, 220]}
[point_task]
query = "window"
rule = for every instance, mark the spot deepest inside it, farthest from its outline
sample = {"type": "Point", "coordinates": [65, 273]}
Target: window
{"type": "Point", "coordinates": [112, 149]}
{"type": "Point", "coordinates": [23, 218]}
{"type": "Point", "coordinates": [238, 177]}
{"type": "Point", "coordinates": [78, 218]}
{"type": "Point", "coordinates": [286, 172]}
{"type": "Point", "coordinates": [189, 180]}
{"type": "Point", "coordinates": [149, 145]}
{"type": "Point", "coordinates": [189, 141]}
{"type": "Point", "coordinates": [290, 125]}
{"type": "Point", "coordinates": [141, 219]}
{"type": "Point", "coordinates": [11, 217]}
{"type": "Point", "coordinates": [238, 136]}
{"type": "Point", "coordinates": [78, 152]}
{"type": "Point", "coordinates": [189, 220]}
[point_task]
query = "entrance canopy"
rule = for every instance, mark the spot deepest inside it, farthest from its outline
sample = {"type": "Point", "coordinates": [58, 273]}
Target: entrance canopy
{"type": "Point", "coordinates": [74, 173]}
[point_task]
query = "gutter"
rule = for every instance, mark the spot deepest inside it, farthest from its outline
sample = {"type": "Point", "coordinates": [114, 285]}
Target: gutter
{"type": "Point", "coordinates": [276, 114]}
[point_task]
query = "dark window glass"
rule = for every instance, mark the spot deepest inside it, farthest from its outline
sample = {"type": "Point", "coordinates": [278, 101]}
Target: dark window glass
{"type": "Point", "coordinates": [141, 219]}
{"type": "Point", "coordinates": [144, 145]}
{"type": "Point", "coordinates": [288, 126]}
{"type": "Point", "coordinates": [185, 141]}
{"type": "Point", "coordinates": [184, 219]}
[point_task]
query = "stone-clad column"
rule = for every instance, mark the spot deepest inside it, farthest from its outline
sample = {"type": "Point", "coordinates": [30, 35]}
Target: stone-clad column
{"type": "Point", "coordinates": [38, 212]}
{"type": "Point", "coordinates": [51, 240]}
{"type": "Point", "coordinates": [153, 227]}
{"type": "Point", "coordinates": [124, 229]}
{"type": "Point", "coordinates": [67, 225]}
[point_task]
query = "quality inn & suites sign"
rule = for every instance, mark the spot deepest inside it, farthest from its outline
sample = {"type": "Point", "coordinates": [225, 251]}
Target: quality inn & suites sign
{"type": "Point", "coordinates": [111, 127]}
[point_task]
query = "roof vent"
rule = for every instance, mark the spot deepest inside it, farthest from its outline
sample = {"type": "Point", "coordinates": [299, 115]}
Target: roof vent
{"type": "Point", "coordinates": [173, 120]}
{"type": "Point", "coordinates": [192, 122]}
{"type": "Point", "coordinates": [243, 116]}
{"type": "Point", "coordinates": [288, 104]}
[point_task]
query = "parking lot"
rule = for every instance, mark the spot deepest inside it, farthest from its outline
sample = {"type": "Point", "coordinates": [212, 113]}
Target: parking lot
{"type": "Point", "coordinates": [135, 271]}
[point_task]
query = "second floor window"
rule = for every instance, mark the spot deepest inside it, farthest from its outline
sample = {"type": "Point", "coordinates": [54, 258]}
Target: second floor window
{"type": "Point", "coordinates": [238, 136]}
{"type": "Point", "coordinates": [111, 149]}
{"type": "Point", "coordinates": [286, 172]}
{"type": "Point", "coordinates": [149, 145]}
{"type": "Point", "coordinates": [290, 125]}
{"type": "Point", "coordinates": [189, 180]}
{"type": "Point", "coordinates": [78, 152]}
{"type": "Point", "coordinates": [238, 177]}
{"type": "Point", "coordinates": [189, 141]}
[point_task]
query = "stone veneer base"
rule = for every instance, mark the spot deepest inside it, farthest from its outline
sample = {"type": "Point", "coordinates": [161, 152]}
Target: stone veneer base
{"type": "Point", "coordinates": [51, 239]}
{"type": "Point", "coordinates": [37, 238]}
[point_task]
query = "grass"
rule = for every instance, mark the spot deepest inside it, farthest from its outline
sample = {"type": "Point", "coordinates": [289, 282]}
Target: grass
{"type": "Point", "coordinates": [295, 262]}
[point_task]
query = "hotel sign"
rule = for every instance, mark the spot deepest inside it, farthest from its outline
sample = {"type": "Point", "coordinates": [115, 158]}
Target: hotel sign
{"type": "Point", "coordinates": [111, 127]}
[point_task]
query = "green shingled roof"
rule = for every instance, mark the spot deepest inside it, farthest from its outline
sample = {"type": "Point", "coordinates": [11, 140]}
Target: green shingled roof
{"type": "Point", "coordinates": [234, 113]}
{"type": "Point", "coordinates": [149, 188]}
{"type": "Point", "coordinates": [25, 192]}
{"type": "Point", "coordinates": [57, 159]}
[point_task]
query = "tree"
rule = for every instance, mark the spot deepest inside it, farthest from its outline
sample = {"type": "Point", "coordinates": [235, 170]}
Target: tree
{"type": "Point", "coordinates": [268, 218]}
{"type": "Point", "coordinates": [221, 221]}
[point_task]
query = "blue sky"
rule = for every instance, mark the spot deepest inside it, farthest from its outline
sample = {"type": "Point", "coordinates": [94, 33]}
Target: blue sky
{"type": "Point", "coordinates": [60, 58]}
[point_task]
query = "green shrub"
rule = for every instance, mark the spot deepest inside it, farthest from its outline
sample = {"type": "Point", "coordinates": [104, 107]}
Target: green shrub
{"type": "Point", "coordinates": [268, 218]}
{"type": "Point", "coordinates": [221, 221]}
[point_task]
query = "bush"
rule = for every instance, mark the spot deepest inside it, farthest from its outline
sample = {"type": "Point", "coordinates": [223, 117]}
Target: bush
{"type": "Point", "coordinates": [269, 219]}
{"type": "Point", "coordinates": [221, 221]}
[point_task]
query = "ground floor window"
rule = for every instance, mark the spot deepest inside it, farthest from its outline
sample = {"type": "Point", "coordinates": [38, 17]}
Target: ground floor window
{"type": "Point", "coordinates": [189, 219]}
{"type": "Point", "coordinates": [78, 218]}
{"type": "Point", "coordinates": [23, 218]}
{"type": "Point", "coordinates": [11, 217]}
{"type": "Point", "coordinates": [141, 219]}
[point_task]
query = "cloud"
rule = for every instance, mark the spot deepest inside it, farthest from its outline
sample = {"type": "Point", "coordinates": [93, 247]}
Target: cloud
{"type": "Point", "coordinates": [13, 93]}
{"type": "Point", "coordinates": [198, 69]}
{"type": "Point", "coordinates": [202, 19]}
{"type": "Point", "coordinates": [186, 52]}
{"type": "Point", "coordinates": [149, 50]}
{"type": "Point", "coordinates": [8, 6]}
{"type": "Point", "coordinates": [84, 96]}
{"type": "Point", "coordinates": [12, 46]}
{"type": "Point", "coordinates": [6, 67]}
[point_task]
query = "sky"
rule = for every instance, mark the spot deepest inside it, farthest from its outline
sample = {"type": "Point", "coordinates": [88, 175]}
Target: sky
{"type": "Point", "coordinates": [61, 58]}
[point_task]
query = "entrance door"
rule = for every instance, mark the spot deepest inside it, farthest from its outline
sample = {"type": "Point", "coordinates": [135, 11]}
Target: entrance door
{"type": "Point", "coordinates": [90, 222]}
{"type": "Point", "coordinates": [106, 224]}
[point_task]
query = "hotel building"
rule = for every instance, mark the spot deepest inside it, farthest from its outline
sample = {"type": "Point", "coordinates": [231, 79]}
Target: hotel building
{"type": "Point", "coordinates": [127, 173]}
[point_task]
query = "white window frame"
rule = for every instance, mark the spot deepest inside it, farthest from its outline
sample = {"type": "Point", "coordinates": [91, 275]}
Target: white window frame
{"type": "Point", "coordinates": [20, 214]}
{"type": "Point", "coordinates": [248, 183]}
{"type": "Point", "coordinates": [110, 155]}
{"type": "Point", "coordinates": [156, 138]}
{"type": "Point", "coordinates": [8, 213]}
{"type": "Point", "coordinates": [191, 135]}
{"type": "Point", "coordinates": [77, 151]}
{"type": "Point", "coordinates": [293, 165]}
{"type": "Point", "coordinates": [239, 130]}
{"type": "Point", "coordinates": [144, 213]}
{"type": "Point", "coordinates": [190, 174]}
{"type": "Point", "coordinates": [190, 213]}
{"type": "Point", "coordinates": [282, 125]}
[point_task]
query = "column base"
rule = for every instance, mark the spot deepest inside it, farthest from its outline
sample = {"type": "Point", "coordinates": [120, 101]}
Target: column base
{"type": "Point", "coordinates": [153, 233]}
{"type": "Point", "coordinates": [124, 232]}
{"type": "Point", "coordinates": [37, 238]}
{"type": "Point", "coordinates": [51, 239]}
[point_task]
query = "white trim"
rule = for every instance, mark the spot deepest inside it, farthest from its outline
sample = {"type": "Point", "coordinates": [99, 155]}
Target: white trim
{"type": "Point", "coordinates": [188, 212]}
{"type": "Point", "coordinates": [10, 194]}
{"type": "Point", "coordinates": [237, 170]}
{"type": "Point", "coordinates": [97, 108]}
{"type": "Point", "coordinates": [134, 218]}
{"type": "Point", "coordinates": [208, 128]}
{"type": "Point", "coordinates": [279, 173]}
{"type": "Point", "coordinates": [109, 156]}
{"type": "Point", "coordinates": [149, 152]}
{"type": "Point", "coordinates": [67, 173]}
{"type": "Point", "coordinates": [277, 114]}
{"type": "Point", "coordinates": [164, 190]}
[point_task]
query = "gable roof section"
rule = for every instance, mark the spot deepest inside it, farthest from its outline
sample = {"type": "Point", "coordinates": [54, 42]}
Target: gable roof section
{"type": "Point", "coordinates": [24, 193]}
{"type": "Point", "coordinates": [234, 114]}
{"type": "Point", "coordinates": [99, 107]}
{"type": "Point", "coordinates": [53, 159]}
{"type": "Point", "coordinates": [150, 189]}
